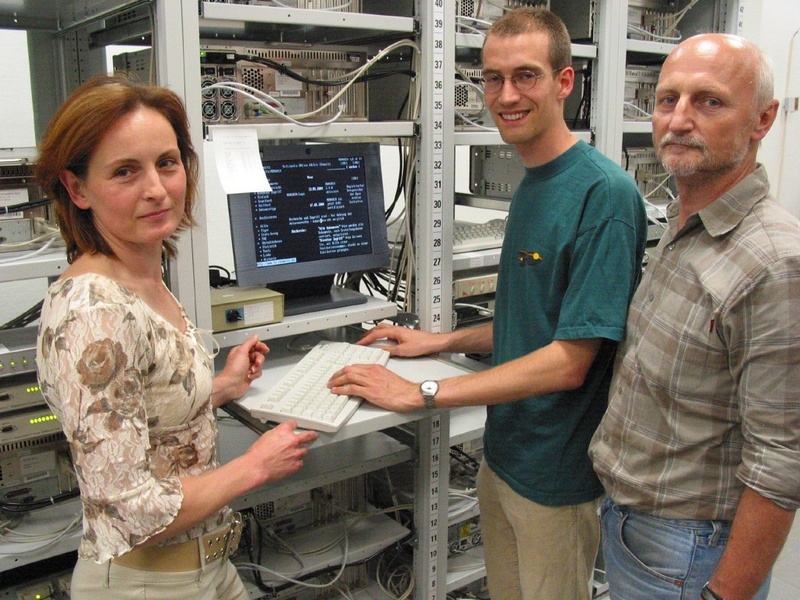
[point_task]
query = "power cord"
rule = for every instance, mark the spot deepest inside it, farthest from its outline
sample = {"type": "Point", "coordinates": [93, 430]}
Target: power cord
{"type": "Point", "coordinates": [25, 507]}
{"type": "Point", "coordinates": [216, 277]}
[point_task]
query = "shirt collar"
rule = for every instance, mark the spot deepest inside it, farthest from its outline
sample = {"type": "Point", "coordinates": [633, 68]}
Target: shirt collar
{"type": "Point", "coordinates": [726, 212]}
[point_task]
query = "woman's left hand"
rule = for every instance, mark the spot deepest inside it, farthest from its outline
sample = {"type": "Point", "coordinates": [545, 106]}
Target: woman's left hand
{"type": "Point", "coordinates": [243, 366]}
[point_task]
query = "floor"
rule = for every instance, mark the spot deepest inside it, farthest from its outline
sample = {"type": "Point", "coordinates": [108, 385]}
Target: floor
{"type": "Point", "coordinates": [786, 574]}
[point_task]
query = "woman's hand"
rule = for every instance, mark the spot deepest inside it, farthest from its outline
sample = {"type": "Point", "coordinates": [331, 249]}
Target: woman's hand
{"type": "Point", "coordinates": [242, 367]}
{"type": "Point", "coordinates": [280, 451]}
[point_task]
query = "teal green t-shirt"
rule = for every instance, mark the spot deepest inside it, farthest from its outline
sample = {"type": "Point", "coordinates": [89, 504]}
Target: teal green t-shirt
{"type": "Point", "coordinates": [571, 259]}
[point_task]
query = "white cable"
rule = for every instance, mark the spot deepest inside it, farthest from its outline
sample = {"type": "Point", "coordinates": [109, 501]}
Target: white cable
{"type": "Point", "coordinates": [345, 553]}
{"type": "Point", "coordinates": [19, 259]}
{"type": "Point", "coordinates": [473, 20]}
{"type": "Point", "coordinates": [357, 73]}
{"type": "Point", "coordinates": [485, 312]}
{"type": "Point", "coordinates": [472, 123]}
{"type": "Point", "coordinates": [406, 576]}
{"type": "Point", "coordinates": [52, 537]}
{"type": "Point", "coordinates": [246, 90]}
{"type": "Point", "coordinates": [478, 89]}
{"type": "Point", "coordinates": [642, 31]}
{"type": "Point", "coordinates": [641, 110]}
{"type": "Point", "coordinates": [678, 17]}
{"type": "Point", "coordinates": [270, 108]}
{"type": "Point", "coordinates": [661, 184]}
{"type": "Point", "coordinates": [353, 75]}
{"type": "Point", "coordinates": [48, 235]}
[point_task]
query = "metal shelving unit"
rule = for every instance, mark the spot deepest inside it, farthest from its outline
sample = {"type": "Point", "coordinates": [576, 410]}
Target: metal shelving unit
{"type": "Point", "coordinates": [65, 35]}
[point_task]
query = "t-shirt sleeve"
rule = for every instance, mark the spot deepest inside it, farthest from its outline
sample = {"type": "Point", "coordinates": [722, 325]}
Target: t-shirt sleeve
{"type": "Point", "coordinates": [92, 371]}
{"type": "Point", "coordinates": [606, 266]}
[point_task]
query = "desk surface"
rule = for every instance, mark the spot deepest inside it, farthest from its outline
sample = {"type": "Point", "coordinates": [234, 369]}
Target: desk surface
{"type": "Point", "coordinates": [367, 418]}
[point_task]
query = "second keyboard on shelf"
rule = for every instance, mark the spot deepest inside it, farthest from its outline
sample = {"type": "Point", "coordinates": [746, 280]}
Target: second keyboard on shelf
{"type": "Point", "coordinates": [303, 395]}
{"type": "Point", "coordinates": [468, 237]}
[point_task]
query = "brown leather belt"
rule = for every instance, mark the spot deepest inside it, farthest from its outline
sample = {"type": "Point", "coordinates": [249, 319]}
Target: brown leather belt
{"type": "Point", "coordinates": [186, 556]}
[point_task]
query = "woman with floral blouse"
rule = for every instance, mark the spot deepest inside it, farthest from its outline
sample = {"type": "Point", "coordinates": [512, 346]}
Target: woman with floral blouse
{"type": "Point", "coordinates": [123, 367]}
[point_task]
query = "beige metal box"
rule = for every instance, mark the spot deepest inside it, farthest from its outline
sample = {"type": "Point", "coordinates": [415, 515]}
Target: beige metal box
{"type": "Point", "coordinates": [240, 307]}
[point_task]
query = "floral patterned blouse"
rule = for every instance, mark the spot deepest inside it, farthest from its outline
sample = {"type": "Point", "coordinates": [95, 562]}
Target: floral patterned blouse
{"type": "Point", "coordinates": [133, 396]}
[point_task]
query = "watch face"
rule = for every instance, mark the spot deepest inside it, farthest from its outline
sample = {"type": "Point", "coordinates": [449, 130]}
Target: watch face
{"type": "Point", "coordinates": [429, 387]}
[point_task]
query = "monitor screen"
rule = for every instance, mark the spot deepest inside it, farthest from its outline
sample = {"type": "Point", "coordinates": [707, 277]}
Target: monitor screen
{"type": "Point", "coordinates": [324, 215]}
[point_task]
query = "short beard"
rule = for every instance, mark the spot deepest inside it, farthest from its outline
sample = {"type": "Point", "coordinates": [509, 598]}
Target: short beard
{"type": "Point", "coordinates": [706, 163]}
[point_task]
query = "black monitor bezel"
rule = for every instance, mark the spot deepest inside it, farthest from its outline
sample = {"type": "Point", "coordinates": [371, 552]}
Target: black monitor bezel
{"type": "Point", "coordinates": [241, 217]}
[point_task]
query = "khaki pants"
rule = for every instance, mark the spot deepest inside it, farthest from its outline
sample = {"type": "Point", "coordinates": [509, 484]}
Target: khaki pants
{"type": "Point", "coordinates": [110, 581]}
{"type": "Point", "coordinates": [535, 552]}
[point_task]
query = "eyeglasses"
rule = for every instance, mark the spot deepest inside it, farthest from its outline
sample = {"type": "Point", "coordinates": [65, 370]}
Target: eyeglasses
{"type": "Point", "coordinates": [523, 80]}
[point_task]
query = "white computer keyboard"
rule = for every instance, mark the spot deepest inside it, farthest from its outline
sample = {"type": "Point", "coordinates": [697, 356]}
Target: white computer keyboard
{"type": "Point", "coordinates": [303, 395]}
{"type": "Point", "coordinates": [468, 237]}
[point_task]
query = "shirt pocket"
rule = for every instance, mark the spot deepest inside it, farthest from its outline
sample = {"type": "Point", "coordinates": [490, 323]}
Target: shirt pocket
{"type": "Point", "coordinates": [686, 333]}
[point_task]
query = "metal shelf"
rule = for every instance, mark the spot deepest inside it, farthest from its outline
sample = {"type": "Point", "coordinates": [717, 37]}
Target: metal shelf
{"type": "Point", "coordinates": [373, 310]}
{"type": "Point", "coordinates": [475, 40]}
{"type": "Point", "coordinates": [465, 568]}
{"type": "Point", "coordinates": [637, 127]}
{"type": "Point", "coordinates": [352, 129]}
{"type": "Point", "coordinates": [474, 137]}
{"type": "Point", "coordinates": [297, 25]}
{"type": "Point", "coordinates": [660, 48]}
{"type": "Point", "coordinates": [49, 264]}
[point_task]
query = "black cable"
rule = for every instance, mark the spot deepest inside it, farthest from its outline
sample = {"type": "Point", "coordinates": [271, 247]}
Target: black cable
{"type": "Point", "coordinates": [283, 70]}
{"type": "Point", "coordinates": [24, 507]}
{"type": "Point", "coordinates": [25, 319]}
{"type": "Point", "coordinates": [463, 457]}
{"type": "Point", "coordinates": [217, 280]}
{"type": "Point", "coordinates": [4, 210]}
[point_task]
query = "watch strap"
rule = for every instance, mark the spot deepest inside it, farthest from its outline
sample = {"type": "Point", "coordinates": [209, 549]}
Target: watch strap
{"type": "Point", "coordinates": [429, 398]}
{"type": "Point", "coordinates": [429, 401]}
{"type": "Point", "coordinates": [708, 594]}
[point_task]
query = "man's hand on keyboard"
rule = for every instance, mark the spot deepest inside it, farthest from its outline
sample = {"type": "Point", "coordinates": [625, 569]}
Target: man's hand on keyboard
{"type": "Point", "coordinates": [410, 342]}
{"type": "Point", "coordinates": [379, 385]}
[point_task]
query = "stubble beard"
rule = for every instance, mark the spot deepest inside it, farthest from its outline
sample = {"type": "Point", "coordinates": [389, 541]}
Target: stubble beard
{"type": "Point", "coordinates": [684, 166]}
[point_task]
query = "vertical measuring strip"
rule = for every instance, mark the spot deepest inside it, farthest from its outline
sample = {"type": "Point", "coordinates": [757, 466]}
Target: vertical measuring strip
{"type": "Point", "coordinates": [437, 508]}
{"type": "Point", "coordinates": [436, 511]}
{"type": "Point", "coordinates": [435, 166]}
{"type": "Point", "coordinates": [434, 205]}
{"type": "Point", "coordinates": [437, 161]}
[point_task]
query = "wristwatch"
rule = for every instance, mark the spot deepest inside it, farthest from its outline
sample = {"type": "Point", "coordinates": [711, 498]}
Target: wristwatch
{"type": "Point", "coordinates": [429, 389]}
{"type": "Point", "coordinates": [708, 594]}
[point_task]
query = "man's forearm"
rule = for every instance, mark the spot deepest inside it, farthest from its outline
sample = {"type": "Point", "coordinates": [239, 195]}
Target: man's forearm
{"type": "Point", "coordinates": [758, 533]}
{"type": "Point", "coordinates": [469, 339]}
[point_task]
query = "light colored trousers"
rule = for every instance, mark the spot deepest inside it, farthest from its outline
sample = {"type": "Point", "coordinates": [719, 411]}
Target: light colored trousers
{"type": "Point", "coordinates": [536, 552]}
{"type": "Point", "coordinates": [107, 581]}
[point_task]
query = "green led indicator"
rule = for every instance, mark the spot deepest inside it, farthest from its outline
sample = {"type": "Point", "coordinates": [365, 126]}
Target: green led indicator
{"type": "Point", "coordinates": [43, 419]}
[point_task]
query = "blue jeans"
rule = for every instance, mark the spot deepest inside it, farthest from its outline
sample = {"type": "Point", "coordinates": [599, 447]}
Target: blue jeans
{"type": "Point", "coordinates": [650, 558]}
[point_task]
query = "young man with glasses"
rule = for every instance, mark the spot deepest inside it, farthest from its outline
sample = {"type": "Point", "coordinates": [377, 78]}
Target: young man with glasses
{"type": "Point", "coordinates": [571, 259]}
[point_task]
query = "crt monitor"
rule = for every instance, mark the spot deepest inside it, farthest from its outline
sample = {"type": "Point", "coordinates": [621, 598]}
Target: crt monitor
{"type": "Point", "coordinates": [324, 215]}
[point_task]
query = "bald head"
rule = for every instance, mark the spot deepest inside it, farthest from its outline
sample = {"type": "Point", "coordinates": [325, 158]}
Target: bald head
{"type": "Point", "coordinates": [731, 56]}
{"type": "Point", "coordinates": [713, 107]}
